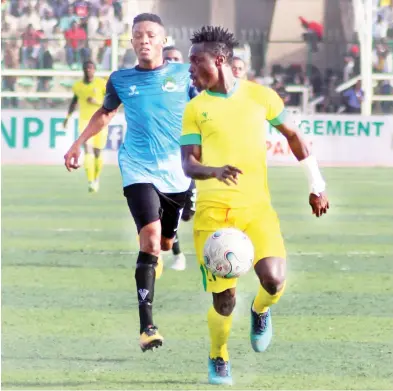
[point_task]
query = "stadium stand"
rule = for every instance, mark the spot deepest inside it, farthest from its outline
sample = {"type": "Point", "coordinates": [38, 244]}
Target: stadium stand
{"type": "Point", "coordinates": [320, 53]}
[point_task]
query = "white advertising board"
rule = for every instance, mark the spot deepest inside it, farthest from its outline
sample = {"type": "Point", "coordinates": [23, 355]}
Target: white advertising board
{"type": "Point", "coordinates": [38, 137]}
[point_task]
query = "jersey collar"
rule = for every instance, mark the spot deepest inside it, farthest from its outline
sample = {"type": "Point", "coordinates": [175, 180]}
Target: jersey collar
{"type": "Point", "coordinates": [138, 68]}
{"type": "Point", "coordinates": [228, 95]}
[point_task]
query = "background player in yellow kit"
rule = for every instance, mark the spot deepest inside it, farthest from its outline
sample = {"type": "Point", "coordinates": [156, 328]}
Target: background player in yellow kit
{"type": "Point", "coordinates": [224, 149]}
{"type": "Point", "coordinates": [89, 94]}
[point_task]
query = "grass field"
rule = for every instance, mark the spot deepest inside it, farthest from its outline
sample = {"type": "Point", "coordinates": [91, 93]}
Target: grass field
{"type": "Point", "coordinates": [69, 308]}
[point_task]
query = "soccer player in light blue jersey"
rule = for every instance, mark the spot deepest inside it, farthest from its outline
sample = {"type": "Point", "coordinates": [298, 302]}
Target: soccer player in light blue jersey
{"type": "Point", "coordinates": [154, 95]}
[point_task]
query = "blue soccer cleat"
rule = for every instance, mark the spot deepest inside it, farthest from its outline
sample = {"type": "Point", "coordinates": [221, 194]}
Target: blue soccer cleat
{"type": "Point", "coordinates": [261, 330]}
{"type": "Point", "coordinates": [219, 372]}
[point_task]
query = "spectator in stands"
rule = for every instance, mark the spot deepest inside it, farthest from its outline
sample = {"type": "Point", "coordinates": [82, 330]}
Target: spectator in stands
{"type": "Point", "coordinates": [353, 99]}
{"type": "Point", "coordinates": [11, 61]}
{"type": "Point", "coordinates": [17, 7]}
{"type": "Point", "coordinates": [106, 10]}
{"type": "Point", "coordinates": [57, 44]}
{"type": "Point", "coordinates": [30, 46]}
{"type": "Point", "coordinates": [92, 23]}
{"type": "Point", "coordinates": [75, 41]}
{"type": "Point", "coordinates": [279, 86]}
{"type": "Point", "coordinates": [45, 61]}
{"type": "Point", "coordinates": [81, 8]}
{"type": "Point", "coordinates": [117, 27]}
{"type": "Point", "coordinates": [349, 66]}
{"type": "Point", "coordinates": [313, 34]}
{"type": "Point", "coordinates": [68, 19]}
{"type": "Point", "coordinates": [48, 23]}
{"type": "Point", "coordinates": [60, 8]}
{"type": "Point", "coordinates": [239, 68]}
{"type": "Point", "coordinates": [6, 32]}
{"type": "Point", "coordinates": [29, 17]}
{"type": "Point", "coordinates": [106, 21]}
{"type": "Point", "coordinates": [354, 52]}
{"type": "Point", "coordinates": [380, 29]}
{"type": "Point", "coordinates": [117, 7]}
{"type": "Point", "coordinates": [382, 58]}
{"type": "Point", "coordinates": [41, 7]}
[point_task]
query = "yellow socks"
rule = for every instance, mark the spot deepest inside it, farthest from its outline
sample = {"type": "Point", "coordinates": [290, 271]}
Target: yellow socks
{"type": "Point", "coordinates": [89, 167]}
{"type": "Point", "coordinates": [264, 300]}
{"type": "Point", "coordinates": [99, 162]}
{"type": "Point", "coordinates": [220, 328]}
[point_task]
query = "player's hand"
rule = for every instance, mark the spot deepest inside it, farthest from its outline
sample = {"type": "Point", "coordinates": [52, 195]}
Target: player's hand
{"type": "Point", "coordinates": [319, 205]}
{"type": "Point", "coordinates": [72, 156]}
{"type": "Point", "coordinates": [227, 174]}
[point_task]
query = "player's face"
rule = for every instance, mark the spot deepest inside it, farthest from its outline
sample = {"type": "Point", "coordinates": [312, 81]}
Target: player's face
{"type": "Point", "coordinates": [203, 67]}
{"type": "Point", "coordinates": [238, 69]}
{"type": "Point", "coordinates": [89, 71]}
{"type": "Point", "coordinates": [148, 39]}
{"type": "Point", "coordinates": [173, 56]}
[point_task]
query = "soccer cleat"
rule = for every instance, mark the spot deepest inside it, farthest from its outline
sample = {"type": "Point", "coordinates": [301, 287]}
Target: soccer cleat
{"type": "Point", "coordinates": [159, 268]}
{"type": "Point", "coordinates": [261, 330]}
{"type": "Point", "coordinates": [179, 262]}
{"type": "Point", "coordinates": [96, 185]}
{"type": "Point", "coordinates": [92, 187]}
{"type": "Point", "coordinates": [219, 372]}
{"type": "Point", "coordinates": [150, 338]}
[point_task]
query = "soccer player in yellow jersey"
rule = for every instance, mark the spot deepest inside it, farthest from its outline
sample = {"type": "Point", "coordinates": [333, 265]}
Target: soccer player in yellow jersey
{"type": "Point", "coordinates": [89, 93]}
{"type": "Point", "coordinates": [224, 148]}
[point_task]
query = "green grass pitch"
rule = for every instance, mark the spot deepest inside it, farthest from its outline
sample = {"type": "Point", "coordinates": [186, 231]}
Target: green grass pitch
{"type": "Point", "coordinates": [69, 307]}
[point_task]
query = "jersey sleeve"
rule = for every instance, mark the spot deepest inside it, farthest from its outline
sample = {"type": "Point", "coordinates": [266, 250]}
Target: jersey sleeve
{"type": "Point", "coordinates": [275, 110]}
{"type": "Point", "coordinates": [111, 99]}
{"type": "Point", "coordinates": [191, 134]}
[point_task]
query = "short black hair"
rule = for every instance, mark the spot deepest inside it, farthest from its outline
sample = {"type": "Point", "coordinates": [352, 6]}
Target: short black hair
{"type": "Point", "coordinates": [88, 62]}
{"type": "Point", "coordinates": [218, 40]}
{"type": "Point", "coordinates": [167, 48]}
{"type": "Point", "coordinates": [146, 17]}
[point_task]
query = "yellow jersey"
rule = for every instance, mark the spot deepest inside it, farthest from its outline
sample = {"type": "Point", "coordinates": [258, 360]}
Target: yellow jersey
{"type": "Point", "coordinates": [95, 89]}
{"type": "Point", "coordinates": [231, 130]}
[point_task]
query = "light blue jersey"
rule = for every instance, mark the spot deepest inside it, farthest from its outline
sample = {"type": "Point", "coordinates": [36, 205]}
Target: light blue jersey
{"type": "Point", "coordinates": [154, 102]}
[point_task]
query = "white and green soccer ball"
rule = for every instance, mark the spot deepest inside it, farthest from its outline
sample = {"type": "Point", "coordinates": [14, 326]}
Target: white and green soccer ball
{"type": "Point", "coordinates": [228, 253]}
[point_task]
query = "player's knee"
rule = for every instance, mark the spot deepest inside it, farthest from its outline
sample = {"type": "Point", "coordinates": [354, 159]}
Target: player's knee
{"type": "Point", "coordinates": [273, 283]}
{"type": "Point", "coordinates": [166, 244]}
{"type": "Point", "coordinates": [224, 302]}
{"type": "Point", "coordinates": [150, 241]}
{"type": "Point", "coordinates": [271, 273]}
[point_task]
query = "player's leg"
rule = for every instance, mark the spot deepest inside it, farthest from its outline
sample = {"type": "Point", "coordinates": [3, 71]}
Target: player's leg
{"type": "Point", "coordinates": [179, 259]}
{"type": "Point", "coordinates": [99, 143]}
{"type": "Point", "coordinates": [219, 315]}
{"type": "Point", "coordinates": [172, 206]}
{"type": "Point", "coordinates": [88, 158]}
{"type": "Point", "coordinates": [89, 167]}
{"type": "Point", "coordinates": [144, 204]}
{"type": "Point", "coordinates": [270, 267]}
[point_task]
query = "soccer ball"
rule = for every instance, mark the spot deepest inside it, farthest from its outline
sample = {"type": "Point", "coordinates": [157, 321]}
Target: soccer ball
{"type": "Point", "coordinates": [228, 253]}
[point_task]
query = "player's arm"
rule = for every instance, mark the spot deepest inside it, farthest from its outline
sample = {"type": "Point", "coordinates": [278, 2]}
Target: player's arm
{"type": "Point", "coordinates": [98, 121]}
{"type": "Point", "coordinates": [277, 116]}
{"type": "Point", "coordinates": [71, 109]}
{"type": "Point", "coordinates": [191, 151]}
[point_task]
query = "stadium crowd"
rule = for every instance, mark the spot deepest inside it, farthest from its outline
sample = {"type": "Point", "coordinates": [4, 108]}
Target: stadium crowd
{"type": "Point", "coordinates": [60, 34]}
